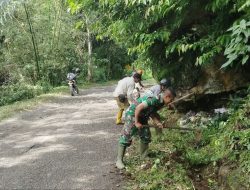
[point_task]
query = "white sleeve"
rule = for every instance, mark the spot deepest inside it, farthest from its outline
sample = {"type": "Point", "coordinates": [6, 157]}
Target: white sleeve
{"type": "Point", "coordinates": [131, 87]}
{"type": "Point", "coordinates": [118, 89]}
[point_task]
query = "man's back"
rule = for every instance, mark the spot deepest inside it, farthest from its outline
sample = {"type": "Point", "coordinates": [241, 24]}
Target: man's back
{"type": "Point", "coordinates": [156, 89]}
{"type": "Point", "coordinates": [125, 86]}
{"type": "Point", "coordinates": [151, 103]}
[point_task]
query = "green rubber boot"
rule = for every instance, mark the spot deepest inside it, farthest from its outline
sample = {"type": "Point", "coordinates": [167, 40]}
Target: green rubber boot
{"type": "Point", "coordinates": [143, 150]}
{"type": "Point", "coordinates": [119, 162]}
{"type": "Point", "coordinates": [158, 131]}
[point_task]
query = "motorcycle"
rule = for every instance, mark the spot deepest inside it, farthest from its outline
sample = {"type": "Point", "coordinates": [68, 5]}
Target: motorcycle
{"type": "Point", "coordinates": [73, 87]}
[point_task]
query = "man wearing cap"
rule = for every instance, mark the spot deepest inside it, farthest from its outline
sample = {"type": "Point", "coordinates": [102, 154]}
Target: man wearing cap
{"type": "Point", "coordinates": [139, 85]}
{"type": "Point", "coordinates": [157, 89]}
{"type": "Point", "coordinates": [123, 94]}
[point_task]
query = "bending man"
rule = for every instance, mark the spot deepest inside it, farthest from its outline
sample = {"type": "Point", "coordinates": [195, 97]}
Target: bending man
{"type": "Point", "coordinates": [136, 117]}
{"type": "Point", "coordinates": [123, 94]}
{"type": "Point", "coordinates": [158, 88]}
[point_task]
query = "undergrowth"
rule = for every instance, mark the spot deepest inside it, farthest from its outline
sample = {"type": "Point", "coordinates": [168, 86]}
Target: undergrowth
{"type": "Point", "coordinates": [12, 93]}
{"type": "Point", "coordinates": [21, 91]}
{"type": "Point", "coordinates": [16, 98]}
{"type": "Point", "coordinates": [220, 154]}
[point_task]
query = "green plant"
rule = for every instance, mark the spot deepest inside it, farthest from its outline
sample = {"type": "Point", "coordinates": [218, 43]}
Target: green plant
{"type": "Point", "coordinates": [224, 141]}
{"type": "Point", "coordinates": [238, 49]}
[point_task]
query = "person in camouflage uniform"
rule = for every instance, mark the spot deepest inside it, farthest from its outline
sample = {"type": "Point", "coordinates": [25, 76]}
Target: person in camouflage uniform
{"type": "Point", "coordinates": [136, 117]}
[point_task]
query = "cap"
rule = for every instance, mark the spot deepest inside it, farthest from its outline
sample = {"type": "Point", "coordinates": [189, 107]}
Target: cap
{"type": "Point", "coordinates": [137, 75]}
{"type": "Point", "coordinates": [165, 82]}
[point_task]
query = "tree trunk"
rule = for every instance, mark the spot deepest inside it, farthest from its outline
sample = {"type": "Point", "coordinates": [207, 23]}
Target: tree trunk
{"type": "Point", "coordinates": [57, 26]}
{"type": "Point", "coordinates": [89, 62]}
{"type": "Point", "coordinates": [109, 67]}
{"type": "Point", "coordinates": [33, 41]}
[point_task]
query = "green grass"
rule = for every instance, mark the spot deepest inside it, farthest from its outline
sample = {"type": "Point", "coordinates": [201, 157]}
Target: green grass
{"type": "Point", "coordinates": [9, 110]}
{"type": "Point", "coordinates": [160, 171]}
{"type": "Point", "coordinates": [178, 157]}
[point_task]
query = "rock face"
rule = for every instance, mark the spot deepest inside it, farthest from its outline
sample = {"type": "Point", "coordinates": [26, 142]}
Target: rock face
{"type": "Point", "coordinates": [214, 86]}
{"type": "Point", "coordinates": [208, 82]}
{"type": "Point", "coordinates": [213, 80]}
{"type": "Point", "coordinates": [206, 79]}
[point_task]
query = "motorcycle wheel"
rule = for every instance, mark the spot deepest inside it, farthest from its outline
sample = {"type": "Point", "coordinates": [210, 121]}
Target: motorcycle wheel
{"type": "Point", "coordinates": [71, 89]}
{"type": "Point", "coordinates": [76, 90]}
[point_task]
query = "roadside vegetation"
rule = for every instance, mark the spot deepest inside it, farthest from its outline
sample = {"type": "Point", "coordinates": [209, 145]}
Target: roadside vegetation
{"type": "Point", "coordinates": [202, 46]}
{"type": "Point", "coordinates": [29, 102]}
{"type": "Point", "coordinates": [215, 156]}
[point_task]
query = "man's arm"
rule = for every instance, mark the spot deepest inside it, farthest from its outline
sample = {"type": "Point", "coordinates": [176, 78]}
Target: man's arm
{"type": "Point", "coordinates": [138, 110]}
{"type": "Point", "coordinates": [156, 119]}
{"type": "Point", "coordinates": [141, 84]}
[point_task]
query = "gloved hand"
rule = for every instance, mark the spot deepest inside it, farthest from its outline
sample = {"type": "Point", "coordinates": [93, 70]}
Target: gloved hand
{"type": "Point", "coordinates": [122, 98]}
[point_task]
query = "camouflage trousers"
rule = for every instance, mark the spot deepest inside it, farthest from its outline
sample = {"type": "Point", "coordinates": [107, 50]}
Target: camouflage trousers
{"type": "Point", "coordinates": [129, 130]}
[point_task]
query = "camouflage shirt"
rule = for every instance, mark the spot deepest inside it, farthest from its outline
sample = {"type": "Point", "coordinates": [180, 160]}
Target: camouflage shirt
{"type": "Point", "coordinates": [152, 105]}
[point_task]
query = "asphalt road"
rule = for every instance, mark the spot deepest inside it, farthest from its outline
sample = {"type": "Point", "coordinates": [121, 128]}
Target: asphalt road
{"type": "Point", "coordinates": [67, 143]}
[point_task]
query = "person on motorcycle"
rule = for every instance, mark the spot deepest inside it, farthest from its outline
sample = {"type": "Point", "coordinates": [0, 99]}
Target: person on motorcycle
{"type": "Point", "coordinates": [72, 81]}
{"type": "Point", "coordinates": [73, 74]}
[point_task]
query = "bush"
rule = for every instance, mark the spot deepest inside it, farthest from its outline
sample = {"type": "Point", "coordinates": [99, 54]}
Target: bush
{"type": "Point", "coordinates": [224, 143]}
{"type": "Point", "coordinates": [20, 91]}
{"type": "Point", "coordinates": [99, 75]}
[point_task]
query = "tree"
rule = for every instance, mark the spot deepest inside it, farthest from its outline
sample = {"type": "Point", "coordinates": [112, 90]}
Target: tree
{"type": "Point", "coordinates": [177, 37]}
{"type": "Point", "coordinates": [87, 16]}
{"type": "Point", "coordinates": [7, 8]}
{"type": "Point", "coordinates": [33, 37]}
{"type": "Point", "coordinates": [45, 26]}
